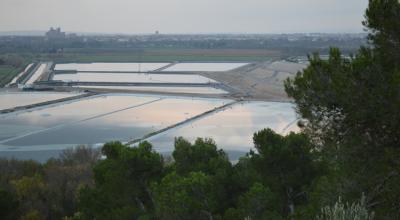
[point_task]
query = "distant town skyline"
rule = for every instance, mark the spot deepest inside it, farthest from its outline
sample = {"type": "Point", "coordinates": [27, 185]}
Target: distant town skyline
{"type": "Point", "coordinates": [184, 16]}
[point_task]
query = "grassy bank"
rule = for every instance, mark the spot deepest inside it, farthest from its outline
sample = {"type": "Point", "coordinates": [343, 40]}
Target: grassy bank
{"type": "Point", "coordinates": [7, 73]}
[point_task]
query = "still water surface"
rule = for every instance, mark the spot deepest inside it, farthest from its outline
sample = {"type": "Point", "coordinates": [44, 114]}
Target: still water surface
{"type": "Point", "coordinates": [166, 89]}
{"type": "Point", "coordinates": [131, 77]}
{"type": "Point", "coordinates": [123, 117]}
{"type": "Point", "coordinates": [232, 129]}
{"type": "Point", "coordinates": [15, 99]}
{"type": "Point", "coordinates": [97, 120]}
{"type": "Point", "coordinates": [203, 67]}
{"type": "Point", "coordinates": [126, 67]}
{"type": "Point", "coordinates": [20, 123]}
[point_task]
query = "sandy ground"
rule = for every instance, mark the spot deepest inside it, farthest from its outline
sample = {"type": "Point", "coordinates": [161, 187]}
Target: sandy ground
{"type": "Point", "coordinates": [259, 81]}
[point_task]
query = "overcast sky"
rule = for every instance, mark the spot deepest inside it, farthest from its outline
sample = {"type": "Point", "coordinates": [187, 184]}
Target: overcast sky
{"type": "Point", "coordinates": [184, 16]}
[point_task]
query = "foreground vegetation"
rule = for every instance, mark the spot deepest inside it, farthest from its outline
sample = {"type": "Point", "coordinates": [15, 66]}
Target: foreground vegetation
{"type": "Point", "coordinates": [343, 165]}
{"type": "Point", "coordinates": [198, 182]}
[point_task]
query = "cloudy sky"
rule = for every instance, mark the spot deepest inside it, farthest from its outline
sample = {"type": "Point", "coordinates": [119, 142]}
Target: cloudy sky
{"type": "Point", "coordinates": [184, 16]}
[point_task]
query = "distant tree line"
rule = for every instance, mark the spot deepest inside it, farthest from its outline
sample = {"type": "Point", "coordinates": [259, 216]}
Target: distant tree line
{"type": "Point", "coordinates": [13, 60]}
{"type": "Point", "coordinates": [299, 45]}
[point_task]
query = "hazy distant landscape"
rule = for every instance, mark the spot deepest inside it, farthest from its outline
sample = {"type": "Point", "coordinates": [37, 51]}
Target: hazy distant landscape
{"type": "Point", "coordinates": [203, 110]}
{"type": "Point", "coordinates": [235, 68]}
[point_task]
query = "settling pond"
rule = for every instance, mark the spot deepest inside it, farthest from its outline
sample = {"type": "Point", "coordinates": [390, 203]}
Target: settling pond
{"type": "Point", "coordinates": [203, 67]}
{"type": "Point", "coordinates": [148, 67]}
{"type": "Point", "coordinates": [117, 67]}
{"type": "Point", "coordinates": [13, 99]}
{"type": "Point", "coordinates": [43, 132]}
{"type": "Point", "coordinates": [233, 128]}
{"type": "Point", "coordinates": [131, 77]}
{"type": "Point", "coordinates": [162, 89]}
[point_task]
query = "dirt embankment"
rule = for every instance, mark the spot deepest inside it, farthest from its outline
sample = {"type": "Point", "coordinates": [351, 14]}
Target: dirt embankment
{"type": "Point", "coordinates": [259, 81]}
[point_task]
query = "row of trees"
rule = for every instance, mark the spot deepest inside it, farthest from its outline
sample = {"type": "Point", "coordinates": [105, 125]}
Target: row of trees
{"type": "Point", "coordinates": [13, 60]}
{"type": "Point", "coordinates": [29, 190]}
{"type": "Point", "coordinates": [352, 113]}
{"type": "Point", "coordinates": [201, 183]}
{"type": "Point", "coordinates": [198, 182]}
{"type": "Point", "coordinates": [138, 183]}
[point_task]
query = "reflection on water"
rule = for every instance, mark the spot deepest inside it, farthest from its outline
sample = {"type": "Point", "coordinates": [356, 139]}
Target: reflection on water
{"type": "Point", "coordinates": [128, 67]}
{"type": "Point", "coordinates": [14, 99]}
{"type": "Point", "coordinates": [233, 128]}
{"type": "Point", "coordinates": [124, 125]}
{"type": "Point", "coordinates": [203, 67]}
{"type": "Point", "coordinates": [124, 117]}
{"type": "Point", "coordinates": [167, 89]}
{"type": "Point", "coordinates": [34, 120]}
{"type": "Point", "coordinates": [132, 77]}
